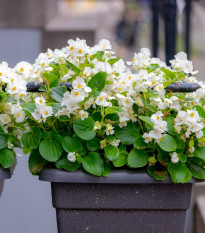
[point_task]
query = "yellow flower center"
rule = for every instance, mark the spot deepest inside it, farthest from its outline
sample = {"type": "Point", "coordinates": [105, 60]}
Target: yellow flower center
{"type": "Point", "coordinates": [127, 101]}
{"type": "Point", "coordinates": [147, 137]}
{"type": "Point", "coordinates": [5, 119]}
{"type": "Point", "coordinates": [14, 88]}
{"type": "Point", "coordinates": [158, 117]}
{"type": "Point", "coordinates": [133, 59]}
{"type": "Point", "coordinates": [90, 56]}
{"type": "Point", "coordinates": [129, 77]}
{"type": "Point", "coordinates": [192, 114]}
{"type": "Point", "coordinates": [84, 114]}
{"type": "Point", "coordinates": [153, 82]}
{"type": "Point", "coordinates": [36, 72]}
{"type": "Point", "coordinates": [18, 114]}
{"type": "Point", "coordinates": [79, 85]}
{"type": "Point", "coordinates": [123, 83]}
{"type": "Point", "coordinates": [43, 64]}
{"type": "Point", "coordinates": [160, 139]}
{"type": "Point", "coordinates": [12, 79]}
{"type": "Point", "coordinates": [47, 54]}
{"type": "Point", "coordinates": [21, 95]}
{"type": "Point", "coordinates": [101, 98]}
{"type": "Point", "coordinates": [40, 101]}
{"type": "Point", "coordinates": [46, 112]}
{"type": "Point", "coordinates": [21, 69]}
{"type": "Point", "coordinates": [76, 93]}
{"type": "Point", "coordinates": [1, 73]}
{"type": "Point", "coordinates": [119, 89]}
{"type": "Point", "coordinates": [71, 48]}
{"type": "Point", "coordinates": [80, 51]}
{"type": "Point", "coordinates": [159, 87]}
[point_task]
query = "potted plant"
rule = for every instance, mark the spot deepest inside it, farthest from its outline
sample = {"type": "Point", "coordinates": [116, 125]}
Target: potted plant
{"type": "Point", "coordinates": [12, 92]}
{"type": "Point", "coordinates": [120, 151]}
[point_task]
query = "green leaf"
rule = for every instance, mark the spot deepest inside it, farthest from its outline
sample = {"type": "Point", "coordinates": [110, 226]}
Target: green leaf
{"type": "Point", "coordinates": [113, 109]}
{"type": "Point", "coordinates": [6, 158]}
{"type": "Point", "coordinates": [111, 152]}
{"type": "Point", "coordinates": [57, 93]}
{"type": "Point", "coordinates": [56, 107]}
{"type": "Point", "coordinates": [156, 173]}
{"type": "Point", "coordinates": [98, 55]}
{"type": "Point", "coordinates": [14, 140]}
{"type": "Point", "coordinates": [153, 67]}
{"type": "Point", "coordinates": [51, 148]}
{"type": "Point", "coordinates": [169, 73]}
{"type": "Point", "coordinates": [197, 167]}
{"type": "Point", "coordinates": [50, 77]}
{"type": "Point", "coordinates": [31, 139]}
{"type": "Point", "coordinates": [151, 108]}
{"type": "Point", "coordinates": [182, 157]}
{"type": "Point", "coordinates": [168, 143]}
{"type": "Point", "coordinates": [3, 140]}
{"type": "Point", "coordinates": [93, 164]}
{"type": "Point", "coordinates": [93, 144]}
{"type": "Point", "coordinates": [140, 143]}
{"type": "Point", "coordinates": [74, 68]}
{"type": "Point", "coordinates": [147, 120]}
{"type": "Point", "coordinates": [64, 163]}
{"type": "Point", "coordinates": [128, 134]}
{"type": "Point", "coordinates": [163, 156]}
{"type": "Point", "coordinates": [30, 107]}
{"type": "Point", "coordinates": [167, 83]}
{"type": "Point", "coordinates": [199, 152]}
{"type": "Point", "coordinates": [107, 169]}
{"type": "Point", "coordinates": [137, 158]}
{"type": "Point", "coordinates": [179, 172]}
{"type": "Point", "coordinates": [180, 144]}
{"type": "Point", "coordinates": [170, 125]}
{"type": "Point", "coordinates": [70, 144]}
{"type": "Point", "coordinates": [98, 81]}
{"type": "Point", "coordinates": [112, 61]}
{"type": "Point", "coordinates": [84, 128]}
{"type": "Point", "coordinates": [121, 160]}
{"type": "Point", "coordinates": [200, 110]}
{"type": "Point", "coordinates": [36, 162]}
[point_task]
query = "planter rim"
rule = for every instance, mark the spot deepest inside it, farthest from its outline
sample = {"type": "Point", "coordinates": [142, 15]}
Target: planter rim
{"type": "Point", "coordinates": [5, 174]}
{"type": "Point", "coordinates": [118, 176]}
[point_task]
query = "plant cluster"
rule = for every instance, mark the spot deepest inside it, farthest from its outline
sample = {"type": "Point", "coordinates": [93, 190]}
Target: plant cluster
{"type": "Point", "coordinates": [94, 111]}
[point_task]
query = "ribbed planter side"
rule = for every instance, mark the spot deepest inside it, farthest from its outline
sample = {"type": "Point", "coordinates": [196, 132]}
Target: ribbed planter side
{"type": "Point", "coordinates": [121, 208]}
{"type": "Point", "coordinates": [143, 206]}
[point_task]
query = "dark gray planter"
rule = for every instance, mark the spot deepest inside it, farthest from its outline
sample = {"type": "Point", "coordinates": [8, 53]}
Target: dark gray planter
{"type": "Point", "coordinates": [126, 201]}
{"type": "Point", "coordinates": [4, 174]}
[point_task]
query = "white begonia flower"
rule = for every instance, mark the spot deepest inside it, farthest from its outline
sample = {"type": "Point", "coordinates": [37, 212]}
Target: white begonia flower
{"type": "Point", "coordinates": [147, 137]}
{"type": "Point", "coordinates": [46, 111]}
{"type": "Point", "coordinates": [181, 118]}
{"type": "Point", "coordinates": [115, 142]}
{"type": "Point", "coordinates": [4, 70]}
{"type": "Point", "coordinates": [160, 89]}
{"type": "Point", "coordinates": [175, 103]}
{"type": "Point", "coordinates": [88, 103]}
{"type": "Point", "coordinates": [174, 157]}
{"type": "Point", "coordinates": [23, 68]}
{"type": "Point", "coordinates": [5, 119]}
{"type": "Point", "coordinates": [8, 106]}
{"type": "Point", "coordinates": [109, 129]}
{"type": "Point", "coordinates": [161, 126]}
{"type": "Point", "coordinates": [77, 96]}
{"type": "Point", "coordinates": [122, 124]}
{"type": "Point", "coordinates": [83, 114]}
{"type": "Point", "coordinates": [157, 117]}
{"type": "Point", "coordinates": [36, 114]}
{"type": "Point", "coordinates": [199, 134]}
{"type": "Point", "coordinates": [40, 101]}
{"type": "Point", "coordinates": [191, 149]}
{"type": "Point", "coordinates": [71, 156]}
{"type": "Point", "coordinates": [125, 101]}
{"type": "Point", "coordinates": [63, 112]}
{"type": "Point", "coordinates": [19, 116]}
{"type": "Point", "coordinates": [156, 134]}
{"type": "Point", "coordinates": [104, 44]}
{"type": "Point", "coordinates": [124, 116]}
{"type": "Point", "coordinates": [192, 116]}
{"type": "Point", "coordinates": [15, 108]}
{"type": "Point", "coordinates": [141, 59]}
{"type": "Point", "coordinates": [102, 100]}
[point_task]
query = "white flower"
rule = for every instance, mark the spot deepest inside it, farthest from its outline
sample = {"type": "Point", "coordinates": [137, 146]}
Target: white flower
{"type": "Point", "coordinates": [156, 134]}
{"type": "Point", "coordinates": [115, 142]}
{"type": "Point", "coordinates": [20, 116]}
{"type": "Point", "coordinates": [191, 149]}
{"type": "Point", "coordinates": [40, 101]}
{"type": "Point", "coordinates": [102, 100]}
{"type": "Point", "coordinates": [36, 114]}
{"type": "Point", "coordinates": [46, 111]}
{"type": "Point", "coordinates": [157, 117]}
{"type": "Point", "coordinates": [77, 96]}
{"type": "Point", "coordinates": [5, 119]}
{"type": "Point", "coordinates": [192, 116]}
{"type": "Point", "coordinates": [83, 114]}
{"type": "Point", "coordinates": [71, 156]}
{"type": "Point", "coordinates": [147, 137]}
{"type": "Point", "coordinates": [104, 44]}
{"type": "Point", "coordinates": [174, 157]}
{"type": "Point", "coordinates": [181, 118]}
{"type": "Point", "coordinates": [109, 129]}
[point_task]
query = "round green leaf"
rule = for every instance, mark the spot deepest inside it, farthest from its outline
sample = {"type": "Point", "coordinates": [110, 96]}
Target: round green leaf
{"type": "Point", "coordinates": [64, 163]}
{"type": "Point", "coordinates": [128, 134]}
{"type": "Point", "coordinates": [197, 167]}
{"type": "Point", "coordinates": [168, 143]}
{"type": "Point", "coordinates": [154, 172]}
{"type": "Point", "coordinates": [51, 148]}
{"type": "Point", "coordinates": [94, 164]}
{"type": "Point", "coordinates": [179, 172]}
{"type": "Point", "coordinates": [31, 139]}
{"type": "Point", "coordinates": [84, 128]}
{"type": "Point", "coordinates": [137, 158]}
{"type": "Point", "coordinates": [70, 144]}
{"type": "Point", "coordinates": [36, 162]}
{"type": "Point", "coordinates": [6, 158]}
{"type": "Point", "coordinates": [93, 144]}
{"type": "Point", "coordinates": [3, 140]}
{"type": "Point", "coordinates": [107, 169]}
{"type": "Point", "coordinates": [111, 152]}
{"type": "Point", "coordinates": [121, 160]}
{"type": "Point", "coordinates": [140, 143]}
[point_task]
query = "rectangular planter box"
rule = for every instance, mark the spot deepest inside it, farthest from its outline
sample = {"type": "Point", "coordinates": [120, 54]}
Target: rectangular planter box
{"type": "Point", "coordinates": [138, 204]}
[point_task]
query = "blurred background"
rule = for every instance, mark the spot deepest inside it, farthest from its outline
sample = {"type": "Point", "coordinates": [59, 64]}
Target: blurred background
{"type": "Point", "coordinates": [28, 27]}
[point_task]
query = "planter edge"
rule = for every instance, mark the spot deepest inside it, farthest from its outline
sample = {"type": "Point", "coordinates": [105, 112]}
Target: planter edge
{"type": "Point", "coordinates": [5, 174]}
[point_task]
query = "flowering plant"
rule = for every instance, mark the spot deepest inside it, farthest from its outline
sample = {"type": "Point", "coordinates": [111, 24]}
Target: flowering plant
{"type": "Point", "coordinates": [12, 92]}
{"type": "Point", "coordinates": [114, 115]}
